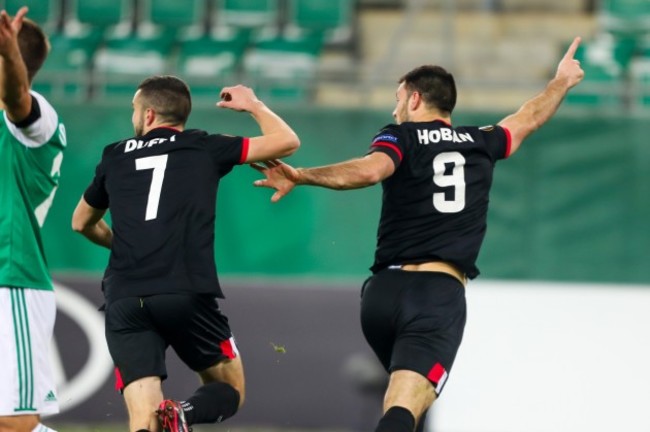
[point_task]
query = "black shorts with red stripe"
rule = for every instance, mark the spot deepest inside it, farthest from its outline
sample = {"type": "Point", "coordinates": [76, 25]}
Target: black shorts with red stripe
{"type": "Point", "coordinates": [140, 329]}
{"type": "Point", "coordinates": [415, 321]}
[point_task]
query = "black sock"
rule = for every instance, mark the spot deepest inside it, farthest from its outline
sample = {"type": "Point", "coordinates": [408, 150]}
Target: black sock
{"type": "Point", "coordinates": [211, 403]}
{"type": "Point", "coordinates": [396, 419]}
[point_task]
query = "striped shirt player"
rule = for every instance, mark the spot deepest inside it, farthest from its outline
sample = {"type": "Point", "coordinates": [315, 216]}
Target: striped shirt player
{"type": "Point", "coordinates": [32, 141]}
{"type": "Point", "coordinates": [436, 180]}
{"type": "Point", "coordinates": [31, 153]}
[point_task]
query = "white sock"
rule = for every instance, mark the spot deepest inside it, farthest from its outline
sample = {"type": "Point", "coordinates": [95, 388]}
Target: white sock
{"type": "Point", "coordinates": [42, 428]}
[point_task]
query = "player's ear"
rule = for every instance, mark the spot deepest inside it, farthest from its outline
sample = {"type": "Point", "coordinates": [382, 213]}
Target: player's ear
{"type": "Point", "coordinates": [415, 100]}
{"type": "Point", "coordinates": [149, 117]}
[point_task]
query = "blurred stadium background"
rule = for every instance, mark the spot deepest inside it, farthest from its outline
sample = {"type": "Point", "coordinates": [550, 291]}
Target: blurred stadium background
{"type": "Point", "coordinates": [557, 331]}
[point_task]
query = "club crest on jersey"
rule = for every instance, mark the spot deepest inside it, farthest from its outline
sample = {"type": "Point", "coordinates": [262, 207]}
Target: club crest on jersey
{"type": "Point", "coordinates": [134, 144]}
{"type": "Point", "coordinates": [426, 136]}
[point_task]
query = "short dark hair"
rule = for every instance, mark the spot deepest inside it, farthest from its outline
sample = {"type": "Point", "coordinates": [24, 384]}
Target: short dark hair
{"type": "Point", "coordinates": [169, 96]}
{"type": "Point", "coordinates": [435, 84]}
{"type": "Point", "coordinates": [34, 47]}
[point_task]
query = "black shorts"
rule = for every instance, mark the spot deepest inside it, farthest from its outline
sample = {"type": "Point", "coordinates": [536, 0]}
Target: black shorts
{"type": "Point", "coordinates": [414, 320]}
{"type": "Point", "coordinates": [139, 330]}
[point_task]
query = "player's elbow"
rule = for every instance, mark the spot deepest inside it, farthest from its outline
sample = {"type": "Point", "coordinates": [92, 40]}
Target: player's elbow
{"type": "Point", "coordinates": [373, 178]}
{"type": "Point", "coordinates": [79, 224]}
{"type": "Point", "coordinates": [292, 144]}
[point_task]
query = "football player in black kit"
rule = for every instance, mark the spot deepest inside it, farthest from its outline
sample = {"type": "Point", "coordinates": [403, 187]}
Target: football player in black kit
{"type": "Point", "coordinates": [161, 285]}
{"type": "Point", "coordinates": [436, 180]}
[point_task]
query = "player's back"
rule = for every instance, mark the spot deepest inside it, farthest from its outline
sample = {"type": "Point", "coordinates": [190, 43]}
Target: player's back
{"type": "Point", "coordinates": [435, 204]}
{"type": "Point", "coordinates": [161, 191]}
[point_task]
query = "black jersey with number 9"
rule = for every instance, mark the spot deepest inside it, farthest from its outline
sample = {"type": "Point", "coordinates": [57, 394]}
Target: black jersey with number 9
{"type": "Point", "coordinates": [161, 189]}
{"type": "Point", "coordinates": [435, 203]}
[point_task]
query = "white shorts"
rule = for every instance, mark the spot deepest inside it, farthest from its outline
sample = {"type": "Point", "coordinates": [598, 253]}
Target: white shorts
{"type": "Point", "coordinates": [26, 328]}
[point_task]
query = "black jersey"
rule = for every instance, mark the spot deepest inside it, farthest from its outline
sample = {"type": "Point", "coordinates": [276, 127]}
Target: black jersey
{"type": "Point", "coordinates": [435, 203]}
{"type": "Point", "coordinates": [161, 189]}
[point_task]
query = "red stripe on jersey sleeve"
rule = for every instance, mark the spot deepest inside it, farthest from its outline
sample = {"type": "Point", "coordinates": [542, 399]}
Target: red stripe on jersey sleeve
{"type": "Point", "coordinates": [390, 146]}
{"type": "Point", "coordinates": [244, 150]}
{"type": "Point", "coordinates": [226, 349]}
{"type": "Point", "coordinates": [508, 142]}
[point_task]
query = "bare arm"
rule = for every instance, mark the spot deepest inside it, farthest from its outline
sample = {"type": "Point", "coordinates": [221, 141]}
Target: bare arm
{"type": "Point", "coordinates": [277, 140]}
{"type": "Point", "coordinates": [538, 110]}
{"type": "Point", "coordinates": [14, 86]}
{"type": "Point", "coordinates": [89, 222]}
{"type": "Point", "coordinates": [352, 174]}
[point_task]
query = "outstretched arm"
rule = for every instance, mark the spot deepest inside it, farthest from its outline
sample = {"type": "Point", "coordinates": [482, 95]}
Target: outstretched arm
{"type": "Point", "coordinates": [352, 174]}
{"type": "Point", "coordinates": [14, 88]}
{"type": "Point", "coordinates": [277, 140]}
{"type": "Point", "coordinates": [89, 222]}
{"type": "Point", "coordinates": [538, 110]}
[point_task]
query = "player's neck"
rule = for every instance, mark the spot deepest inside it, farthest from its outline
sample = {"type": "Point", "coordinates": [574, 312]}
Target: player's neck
{"type": "Point", "coordinates": [428, 116]}
{"type": "Point", "coordinates": [178, 127]}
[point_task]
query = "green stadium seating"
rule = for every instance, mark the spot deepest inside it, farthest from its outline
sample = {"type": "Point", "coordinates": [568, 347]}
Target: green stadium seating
{"type": "Point", "coordinates": [175, 18]}
{"type": "Point", "coordinates": [320, 15]}
{"type": "Point", "coordinates": [334, 19]}
{"type": "Point", "coordinates": [605, 61]}
{"type": "Point", "coordinates": [283, 68]}
{"type": "Point", "coordinates": [149, 49]}
{"type": "Point", "coordinates": [211, 61]}
{"type": "Point", "coordinates": [625, 17]}
{"type": "Point", "coordinates": [66, 72]}
{"type": "Point", "coordinates": [102, 13]}
{"type": "Point", "coordinates": [44, 12]}
{"type": "Point", "coordinates": [247, 13]}
{"type": "Point", "coordinates": [640, 78]}
{"type": "Point", "coordinates": [122, 63]}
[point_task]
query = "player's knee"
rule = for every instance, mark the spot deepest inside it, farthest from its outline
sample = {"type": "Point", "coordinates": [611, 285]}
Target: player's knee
{"type": "Point", "coordinates": [18, 423]}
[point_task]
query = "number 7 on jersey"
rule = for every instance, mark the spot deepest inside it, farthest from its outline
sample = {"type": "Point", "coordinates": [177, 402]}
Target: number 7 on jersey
{"type": "Point", "coordinates": [158, 164]}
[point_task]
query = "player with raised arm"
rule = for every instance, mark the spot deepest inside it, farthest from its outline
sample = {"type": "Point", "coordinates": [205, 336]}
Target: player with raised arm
{"type": "Point", "coordinates": [32, 140]}
{"type": "Point", "coordinates": [161, 286]}
{"type": "Point", "coordinates": [436, 180]}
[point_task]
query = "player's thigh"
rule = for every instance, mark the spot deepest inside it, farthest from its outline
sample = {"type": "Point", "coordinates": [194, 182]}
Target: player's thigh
{"type": "Point", "coordinates": [430, 325]}
{"type": "Point", "coordinates": [136, 347]}
{"type": "Point", "coordinates": [379, 300]}
{"type": "Point", "coordinates": [195, 327]}
{"type": "Point", "coordinates": [19, 423]}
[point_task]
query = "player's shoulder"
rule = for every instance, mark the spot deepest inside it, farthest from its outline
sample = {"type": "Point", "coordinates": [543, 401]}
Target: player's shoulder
{"type": "Point", "coordinates": [194, 133]}
{"type": "Point", "coordinates": [42, 101]}
{"type": "Point", "coordinates": [389, 131]}
{"type": "Point", "coordinates": [110, 149]}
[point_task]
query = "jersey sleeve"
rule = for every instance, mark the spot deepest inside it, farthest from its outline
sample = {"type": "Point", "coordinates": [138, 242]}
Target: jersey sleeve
{"type": "Point", "coordinates": [228, 150]}
{"type": "Point", "coordinates": [389, 141]}
{"type": "Point", "coordinates": [96, 195]}
{"type": "Point", "coordinates": [498, 141]}
{"type": "Point", "coordinates": [38, 127]}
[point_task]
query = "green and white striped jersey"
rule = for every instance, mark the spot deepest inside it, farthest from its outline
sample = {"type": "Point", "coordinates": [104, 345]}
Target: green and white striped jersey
{"type": "Point", "coordinates": [30, 163]}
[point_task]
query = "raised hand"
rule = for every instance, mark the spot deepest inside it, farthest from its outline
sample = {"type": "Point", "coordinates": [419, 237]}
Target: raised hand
{"type": "Point", "coordinates": [238, 98]}
{"type": "Point", "coordinates": [9, 29]}
{"type": "Point", "coordinates": [569, 68]}
{"type": "Point", "coordinates": [279, 176]}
